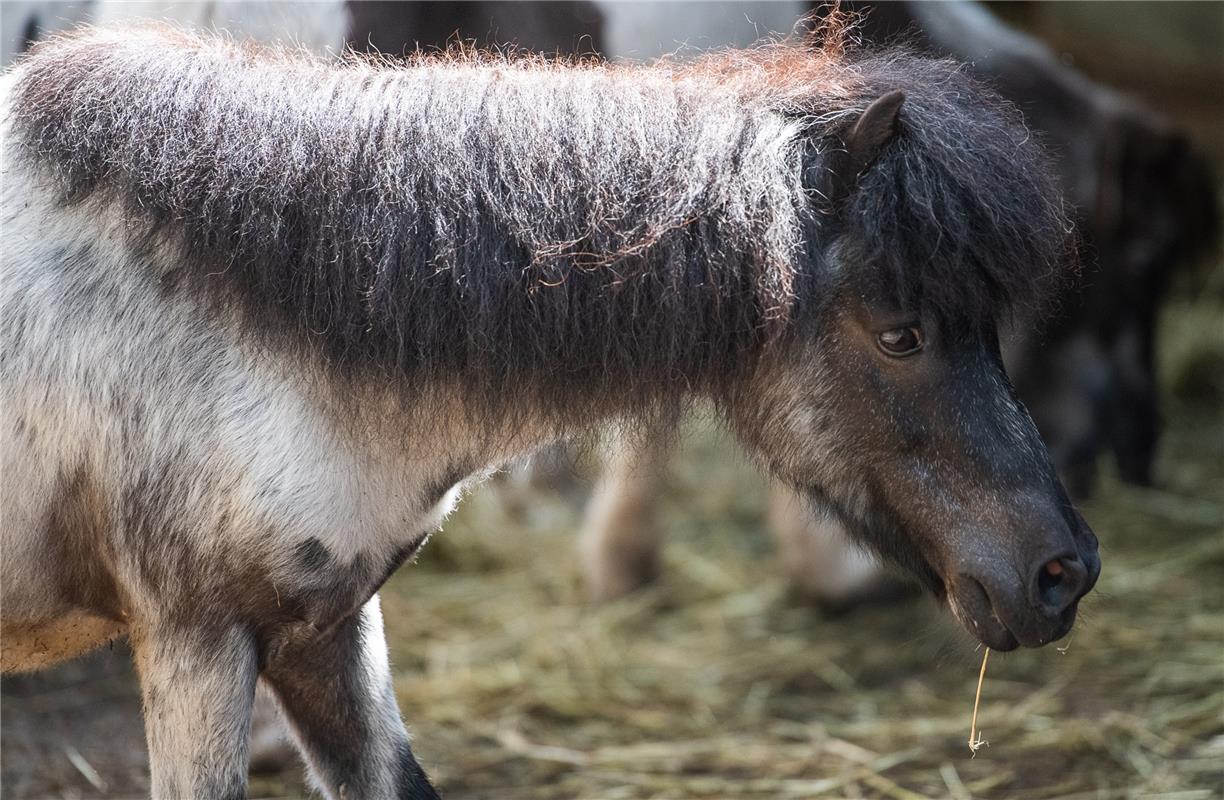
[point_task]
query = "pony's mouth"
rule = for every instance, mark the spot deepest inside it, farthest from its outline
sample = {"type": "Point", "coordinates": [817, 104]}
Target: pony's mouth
{"type": "Point", "coordinates": [971, 605]}
{"type": "Point", "coordinates": [1004, 628]}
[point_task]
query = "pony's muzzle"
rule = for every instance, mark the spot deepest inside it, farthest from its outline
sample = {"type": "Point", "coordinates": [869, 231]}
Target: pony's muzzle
{"type": "Point", "coordinates": [1005, 609]}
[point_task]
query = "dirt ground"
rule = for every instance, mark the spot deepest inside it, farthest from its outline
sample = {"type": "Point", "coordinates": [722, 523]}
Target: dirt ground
{"type": "Point", "coordinates": [87, 712]}
{"type": "Point", "coordinates": [718, 684]}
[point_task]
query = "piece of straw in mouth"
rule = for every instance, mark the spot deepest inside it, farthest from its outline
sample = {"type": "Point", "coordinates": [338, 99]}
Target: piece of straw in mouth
{"type": "Point", "coordinates": [975, 739]}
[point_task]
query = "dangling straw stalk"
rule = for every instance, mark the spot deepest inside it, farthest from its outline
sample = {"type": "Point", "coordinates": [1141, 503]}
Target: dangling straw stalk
{"type": "Point", "coordinates": [975, 739]}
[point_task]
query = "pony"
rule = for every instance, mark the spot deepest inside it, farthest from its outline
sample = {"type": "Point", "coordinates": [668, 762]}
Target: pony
{"type": "Point", "coordinates": [263, 319]}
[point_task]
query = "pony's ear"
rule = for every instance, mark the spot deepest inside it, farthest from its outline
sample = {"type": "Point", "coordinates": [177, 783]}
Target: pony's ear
{"type": "Point", "coordinates": [862, 143]}
{"type": "Point", "coordinates": [872, 130]}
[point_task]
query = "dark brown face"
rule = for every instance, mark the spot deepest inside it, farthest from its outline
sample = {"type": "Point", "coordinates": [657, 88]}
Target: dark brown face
{"type": "Point", "coordinates": [912, 434]}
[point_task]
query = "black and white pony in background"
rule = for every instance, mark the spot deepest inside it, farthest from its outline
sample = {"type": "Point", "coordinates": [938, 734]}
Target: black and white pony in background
{"type": "Point", "coordinates": [262, 318]}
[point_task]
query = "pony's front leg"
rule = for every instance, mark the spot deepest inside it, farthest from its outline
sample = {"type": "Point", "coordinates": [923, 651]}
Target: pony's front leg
{"type": "Point", "coordinates": [335, 689]}
{"type": "Point", "coordinates": [198, 687]}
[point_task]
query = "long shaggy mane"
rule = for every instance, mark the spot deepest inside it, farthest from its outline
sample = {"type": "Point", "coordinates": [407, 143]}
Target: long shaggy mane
{"type": "Point", "coordinates": [565, 234]}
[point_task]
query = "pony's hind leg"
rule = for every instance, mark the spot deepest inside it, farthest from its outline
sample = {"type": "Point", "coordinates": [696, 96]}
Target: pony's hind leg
{"type": "Point", "coordinates": [198, 687]}
{"type": "Point", "coordinates": [335, 690]}
{"type": "Point", "coordinates": [819, 560]}
{"type": "Point", "coordinates": [621, 535]}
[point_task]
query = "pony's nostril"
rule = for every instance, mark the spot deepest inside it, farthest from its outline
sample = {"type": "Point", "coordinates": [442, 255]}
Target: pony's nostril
{"type": "Point", "coordinates": [1058, 584]}
{"type": "Point", "coordinates": [1048, 582]}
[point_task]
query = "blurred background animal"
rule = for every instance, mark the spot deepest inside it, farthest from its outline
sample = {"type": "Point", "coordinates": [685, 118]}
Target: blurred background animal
{"type": "Point", "coordinates": [1145, 208]}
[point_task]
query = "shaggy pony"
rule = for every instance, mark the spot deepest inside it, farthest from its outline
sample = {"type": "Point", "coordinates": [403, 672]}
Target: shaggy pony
{"type": "Point", "coordinates": [262, 318]}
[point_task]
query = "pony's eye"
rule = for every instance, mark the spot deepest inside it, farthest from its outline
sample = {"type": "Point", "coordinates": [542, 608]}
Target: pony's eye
{"type": "Point", "coordinates": [901, 341]}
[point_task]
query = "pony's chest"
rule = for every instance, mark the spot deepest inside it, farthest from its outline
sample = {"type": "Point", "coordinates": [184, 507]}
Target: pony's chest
{"type": "Point", "coordinates": [364, 520]}
{"type": "Point", "coordinates": [355, 505]}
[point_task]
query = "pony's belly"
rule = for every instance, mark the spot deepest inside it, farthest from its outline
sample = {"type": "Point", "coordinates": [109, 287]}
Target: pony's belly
{"type": "Point", "coordinates": [34, 645]}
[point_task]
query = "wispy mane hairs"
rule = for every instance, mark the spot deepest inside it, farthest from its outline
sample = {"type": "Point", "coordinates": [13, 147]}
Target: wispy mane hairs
{"type": "Point", "coordinates": [540, 232]}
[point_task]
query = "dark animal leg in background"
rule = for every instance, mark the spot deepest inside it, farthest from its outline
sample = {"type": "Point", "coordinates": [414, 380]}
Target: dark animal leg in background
{"type": "Point", "coordinates": [32, 33]}
{"type": "Point", "coordinates": [198, 689]}
{"type": "Point", "coordinates": [336, 692]}
{"type": "Point", "coordinates": [1135, 428]}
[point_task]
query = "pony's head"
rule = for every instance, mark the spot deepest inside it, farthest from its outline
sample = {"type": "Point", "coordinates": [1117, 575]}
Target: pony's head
{"type": "Point", "coordinates": [889, 407]}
